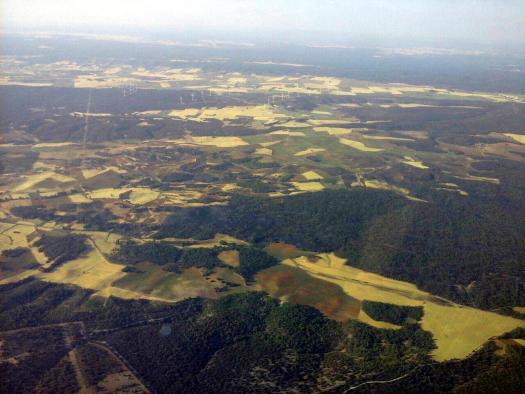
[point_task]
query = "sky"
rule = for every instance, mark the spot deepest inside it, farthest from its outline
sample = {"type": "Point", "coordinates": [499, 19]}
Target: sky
{"type": "Point", "coordinates": [484, 21]}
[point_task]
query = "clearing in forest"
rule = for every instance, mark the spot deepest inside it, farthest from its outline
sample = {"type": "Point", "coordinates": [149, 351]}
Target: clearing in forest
{"type": "Point", "coordinates": [153, 281]}
{"type": "Point", "coordinates": [414, 163]}
{"type": "Point", "coordinates": [289, 133]}
{"type": "Point", "coordinates": [257, 112]}
{"type": "Point", "coordinates": [263, 151]}
{"type": "Point", "coordinates": [311, 176]}
{"type": "Point", "coordinates": [309, 151]}
{"type": "Point", "coordinates": [458, 330]}
{"type": "Point", "coordinates": [308, 186]}
{"type": "Point", "coordinates": [219, 142]}
{"type": "Point", "coordinates": [90, 271]}
{"type": "Point", "coordinates": [90, 173]}
{"type": "Point", "coordinates": [282, 250]}
{"type": "Point", "coordinates": [358, 145]}
{"type": "Point", "coordinates": [332, 130]}
{"type": "Point", "coordinates": [32, 181]}
{"type": "Point", "coordinates": [230, 257]}
{"type": "Point", "coordinates": [516, 137]}
{"type": "Point", "coordinates": [294, 285]}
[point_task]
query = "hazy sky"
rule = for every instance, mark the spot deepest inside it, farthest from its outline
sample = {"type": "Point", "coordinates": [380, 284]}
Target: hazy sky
{"type": "Point", "coordinates": [440, 20]}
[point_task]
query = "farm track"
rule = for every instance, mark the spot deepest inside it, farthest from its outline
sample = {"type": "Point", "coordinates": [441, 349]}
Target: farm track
{"type": "Point", "coordinates": [69, 343]}
{"type": "Point", "coordinates": [117, 357]}
{"type": "Point", "coordinates": [79, 375]}
{"type": "Point", "coordinates": [415, 369]}
{"type": "Point", "coordinates": [86, 125]}
{"type": "Point", "coordinates": [74, 360]}
{"type": "Point", "coordinates": [44, 326]}
{"type": "Point", "coordinates": [7, 236]}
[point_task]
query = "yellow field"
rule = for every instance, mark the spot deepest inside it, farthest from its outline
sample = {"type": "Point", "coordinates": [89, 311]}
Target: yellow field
{"type": "Point", "coordinates": [375, 323]}
{"type": "Point", "coordinates": [6, 81]}
{"type": "Point", "coordinates": [479, 179]}
{"type": "Point", "coordinates": [267, 144]}
{"type": "Point", "coordinates": [519, 309]}
{"type": "Point", "coordinates": [185, 113]}
{"type": "Point", "coordinates": [516, 137]}
{"type": "Point", "coordinates": [464, 329]}
{"type": "Point", "coordinates": [356, 90]}
{"type": "Point", "coordinates": [181, 198]}
{"type": "Point", "coordinates": [52, 144]}
{"type": "Point", "coordinates": [289, 133]}
{"type": "Point", "coordinates": [294, 124]}
{"type": "Point", "coordinates": [211, 243]}
{"type": "Point", "coordinates": [174, 74]}
{"type": "Point", "coordinates": [419, 135]}
{"type": "Point", "coordinates": [40, 165]}
{"type": "Point", "coordinates": [18, 196]}
{"type": "Point", "coordinates": [302, 85]}
{"type": "Point", "coordinates": [138, 195]}
{"type": "Point", "coordinates": [155, 282]}
{"type": "Point", "coordinates": [311, 176]}
{"type": "Point", "coordinates": [322, 122]}
{"type": "Point", "coordinates": [230, 257]}
{"type": "Point", "coordinates": [276, 194]}
{"type": "Point", "coordinates": [257, 112]}
{"type": "Point", "coordinates": [110, 193]}
{"type": "Point", "coordinates": [78, 199]}
{"type": "Point", "coordinates": [94, 114]}
{"type": "Point", "coordinates": [39, 256]}
{"type": "Point", "coordinates": [377, 184]}
{"type": "Point", "coordinates": [94, 271]}
{"type": "Point", "coordinates": [142, 195]}
{"type": "Point", "coordinates": [112, 291]}
{"type": "Point", "coordinates": [148, 113]}
{"type": "Point", "coordinates": [90, 173]}
{"type": "Point", "coordinates": [332, 130]}
{"type": "Point", "coordinates": [457, 330]}
{"type": "Point", "coordinates": [282, 250]}
{"type": "Point", "coordinates": [229, 187]}
{"type": "Point", "coordinates": [98, 82]}
{"type": "Point", "coordinates": [415, 105]}
{"type": "Point", "coordinates": [308, 186]}
{"type": "Point", "coordinates": [414, 163]}
{"type": "Point", "coordinates": [48, 194]}
{"type": "Point", "coordinates": [386, 138]}
{"type": "Point", "coordinates": [385, 89]}
{"type": "Point", "coordinates": [495, 97]}
{"type": "Point", "coordinates": [358, 145]}
{"type": "Point", "coordinates": [309, 151]}
{"type": "Point", "coordinates": [32, 180]}
{"type": "Point", "coordinates": [15, 235]}
{"type": "Point", "coordinates": [113, 70]}
{"type": "Point", "coordinates": [105, 241]}
{"type": "Point", "coordinates": [91, 271]}
{"type": "Point", "coordinates": [21, 276]}
{"type": "Point", "coordinates": [461, 192]}
{"type": "Point", "coordinates": [237, 80]}
{"type": "Point", "coordinates": [263, 151]}
{"type": "Point", "coordinates": [219, 142]}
